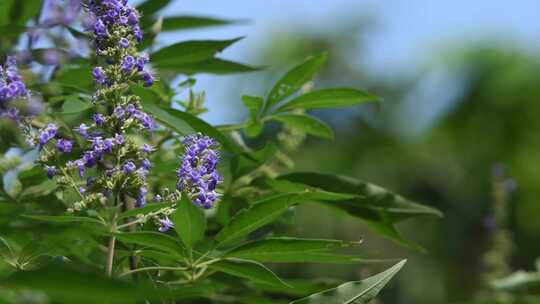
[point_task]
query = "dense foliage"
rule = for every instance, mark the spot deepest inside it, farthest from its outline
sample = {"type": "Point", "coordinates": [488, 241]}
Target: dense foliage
{"type": "Point", "coordinates": [115, 191]}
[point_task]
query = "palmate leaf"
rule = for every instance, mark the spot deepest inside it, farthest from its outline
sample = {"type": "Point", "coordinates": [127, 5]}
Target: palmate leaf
{"type": "Point", "coordinates": [153, 240]}
{"type": "Point", "coordinates": [257, 215]}
{"type": "Point", "coordinates": [293, 250]}
{"type": "Point", "coordinates": [268, 209]}
{"type": "Point", "coordinates": [380, 208]}
{"type": "Point", "coordinates": [294, 79]}
{"type": "Point", "coordinates": [328, 98]}
{"type": "Point", "coordinates": [359, 292]}
{"type": "Point", "coordinates": [188, 52]}
{"type": "Point", "coordinates": [250, 270]}
{"type": "Point", "coordinates": [306, 123]}
{"type": "Point", "coordinates": [189, 222]}
{"type": "Point", "coordinates": [374, 202]}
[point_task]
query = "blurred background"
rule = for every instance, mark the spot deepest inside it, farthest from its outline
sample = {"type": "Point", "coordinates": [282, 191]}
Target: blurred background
{"type": "Point", "coordinates": [458, 127]}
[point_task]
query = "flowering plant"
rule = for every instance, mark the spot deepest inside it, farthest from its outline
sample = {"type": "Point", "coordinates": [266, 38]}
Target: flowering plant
{"type": "Point", "coordinates": [120, 181]}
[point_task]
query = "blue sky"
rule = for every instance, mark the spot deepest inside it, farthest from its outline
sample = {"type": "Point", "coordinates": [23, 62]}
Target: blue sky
{"type": "Point", "coordinates": [407, 33]}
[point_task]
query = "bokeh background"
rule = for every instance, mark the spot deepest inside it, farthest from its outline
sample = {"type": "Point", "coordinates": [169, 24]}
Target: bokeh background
{"type": "Point", "coordinates": [458, 127]}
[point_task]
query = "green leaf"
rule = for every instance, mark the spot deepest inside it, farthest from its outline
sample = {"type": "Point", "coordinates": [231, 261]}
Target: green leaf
{"type": "Point", "coordinates": [73, 104]}
{"type": "Point", "coordinates": [184, 123]}
{"type": "Point", "coordinates": [295, 79]}
{"type": "Point", "coordinates": [64, 219]}
{"type": "Point", "coordinates": [149, 208]}
{"type": "Point", "coordinates": [245, 163]}
{"type": "Point", "coordinates": [22, 11]}
{"type": "Point", "coordinates": [359, 292]}
{"type": "Point", "coordinates": [293, 250]}
{"type": "Point", "coordinates": [380, 208]}
{"type": "Point", "coordinates": [5, 9]}
{"type": "Point", "coordinates": [63, 285]}
{"type": "Point", "coordinates": [189, 52]}
{"type": "Point", "coordinates": [307, 192]}
{"type": "Point", "coordinates": [254, 105]}
{"type": "Point", "coordinates": [328, 98]}
{"type": "Point", "coordinates": [374, 202]}
{"type": "Point", "coordinates": [189, 222]}
{"type": "Point", "coordinates": [257, 215]}
{"type": "Point", "coordinates": [309, 124]}
{"type": "Point", "coordinates": [153, 239]}
{"type": "Point", "coordinates": [250, 270]}
{"type": "Point", "coordinates": [214, 66]}
{"type": "Point", "coordinates": [175, 23]}
{"type": "Point", "coordinates": [150, 7]}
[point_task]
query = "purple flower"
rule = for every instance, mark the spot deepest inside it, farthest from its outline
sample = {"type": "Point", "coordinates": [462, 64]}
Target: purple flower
{"type": "Point", "coordinates": [100, 29]}
{"type": "Point", "coordinates": [99, 75]}
{"type": "Point", "coordinates": [64, 145]}
{"type": "Point", "coordinates": [82, 130]}
{"type": "Point", "coordinates": [147, 148]}
{"type": "Point", "coordinates": [98, 119]}
{"type": "Point", "coordinates": [148, 79]}
{"type": "Point", "coordinates": [141, 198]}
{"type": "Point", "coordinates": [119, 139]}
{"type": "Point", "coordinates": [158, 198]}
{"type": "Point", "coordinates": [127, 63]}
{"type": "Point", "coordinates": [165, 224]}
{"type": "Point", "coordinates": [119, 112]}
{"type": "Point", "coordinates": [124, 43]}
{"type": "Point", "coordinates": [146, 164]}
{"type": "Point", "coordinates": [197, 175]}
{"type": "Point", "coordinates": [145, 120]}
{"type": "Point", "coordinates": [51, 171]}
{"type": "Point", "coordinates": [47, 133]}
{"type": "Point", "coordinates": [129, 167]}
{"type": "Point", "coordinates": [141, 61]}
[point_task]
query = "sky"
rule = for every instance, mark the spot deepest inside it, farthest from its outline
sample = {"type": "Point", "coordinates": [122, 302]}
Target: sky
{"type": "Point", "coordinates": [407, 32]}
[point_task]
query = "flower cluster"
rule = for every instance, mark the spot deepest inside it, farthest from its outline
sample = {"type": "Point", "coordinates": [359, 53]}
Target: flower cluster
{"type": "Point", "coordinates": [110, 161]}
{"type": "Point", "coordinates": [11, 88]}
{"type": "Point", "coordinates": [197, 175]}
{"type": "Point", "coordinates": [117, 32]}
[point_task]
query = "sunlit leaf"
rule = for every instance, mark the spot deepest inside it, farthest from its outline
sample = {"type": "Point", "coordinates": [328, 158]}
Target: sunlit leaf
{"type": "Point", "coordinates": [306, 123]}
{"type": "Point", "coordinates": [176, 23]}
{"type": "Point", "coordinates": [188, 52]}
{"type": "Point", "coordinates": [328, 98]}
{"type": "Point", "coordinates": [215, 66]}
{"type": "Point", "coordinates": [295, 79]}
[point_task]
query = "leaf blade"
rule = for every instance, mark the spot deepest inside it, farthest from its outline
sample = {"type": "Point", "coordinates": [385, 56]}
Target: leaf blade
{"type": "Point", "coordinates": [294, 79]}
{"type": "Point", "coordinates": [309, 124]}
{"type": "Point", "coordinates": [358, 292]}
{"type": "Point", "coordinates": [250, 270]}
{"type": "Point", "coordinates": [328, 98]}
{"type": "Point", "coordinates": [189, 222]}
